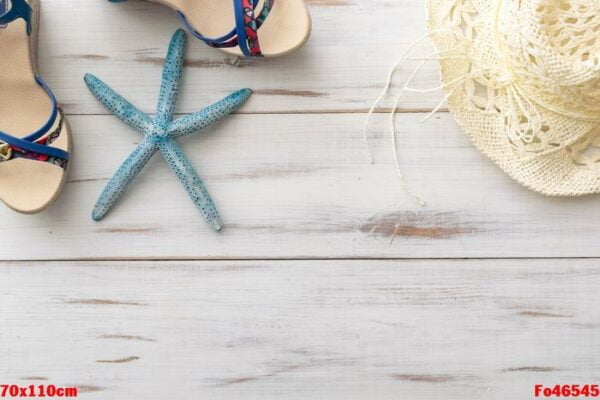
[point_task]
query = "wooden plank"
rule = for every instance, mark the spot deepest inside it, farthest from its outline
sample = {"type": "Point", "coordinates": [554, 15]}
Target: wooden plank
{"type": "Point", "coordinates": [301, 186]}
{"type": "Point", "coordinates": [341, 69]}
{"type": "Point", "coordinates": [303, 329]}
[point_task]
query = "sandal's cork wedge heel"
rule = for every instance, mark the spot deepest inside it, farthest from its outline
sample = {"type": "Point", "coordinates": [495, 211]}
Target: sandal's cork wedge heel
{"type": "Point", "coordinates": [35, 139]}
{"type": "Point", "coordinates": [261, 28]}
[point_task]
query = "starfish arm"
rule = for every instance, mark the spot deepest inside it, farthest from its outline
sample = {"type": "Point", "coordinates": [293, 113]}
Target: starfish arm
{"type": "Point", "coordinates": [118, 105]}
{"type": "Point", "coordinates": [124, 175]}
{"type": "Point", "coordinates": [193, 123]}
{"type": "Point", "coordinates": [171, 79]}
{"type": "Point", "coordinates": [184, 170]}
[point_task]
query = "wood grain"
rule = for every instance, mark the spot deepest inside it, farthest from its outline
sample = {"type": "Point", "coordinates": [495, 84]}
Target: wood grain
{"type": "Point", "coordinates": [341, 69]}
{"type": "Point", "coordinates": [292, 180]}
{"type": "Point", "coordinates": [302, 187]}
{"type": "Point", "coordinates": [301, 329]}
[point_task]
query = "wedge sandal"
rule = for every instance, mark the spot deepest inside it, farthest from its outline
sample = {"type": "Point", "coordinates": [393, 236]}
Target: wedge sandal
{"type": "Point", "coordinates": [262, 28]}
{"type": "Point", "coordinates": [34, 136]}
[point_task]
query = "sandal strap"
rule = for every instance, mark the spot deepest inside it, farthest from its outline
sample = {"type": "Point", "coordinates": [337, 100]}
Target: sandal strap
{"type": "Point", "coordinates": [245, 34]}
{"type": "Point", "coordinates": [36, 146]}
{"type": "Point", "coordinates": [18, 9]}
{"type": "Point", "coordinates": [14, 152]}
{"type": "Point", "coordinates": [214, 42]}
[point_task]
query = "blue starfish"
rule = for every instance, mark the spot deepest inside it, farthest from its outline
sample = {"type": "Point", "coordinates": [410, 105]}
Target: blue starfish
{"type": "Point", "coordinates": [160, 134]}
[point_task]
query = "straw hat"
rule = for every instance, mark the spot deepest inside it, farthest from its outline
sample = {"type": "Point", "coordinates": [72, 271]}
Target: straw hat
{"type": "Point", "coordinates": [522, 78]}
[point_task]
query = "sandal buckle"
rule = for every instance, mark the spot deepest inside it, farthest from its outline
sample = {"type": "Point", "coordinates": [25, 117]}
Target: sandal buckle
{"type": "Point", "coordinates": [5, 151]}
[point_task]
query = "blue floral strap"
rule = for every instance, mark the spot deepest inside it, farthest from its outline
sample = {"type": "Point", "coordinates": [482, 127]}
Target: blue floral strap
{"type": "Point", "coordinates": [36, 146]}
{"type": "Point", "coordinates": [18, 9]}
{"type": "Point", "coordinates": [245, 34]}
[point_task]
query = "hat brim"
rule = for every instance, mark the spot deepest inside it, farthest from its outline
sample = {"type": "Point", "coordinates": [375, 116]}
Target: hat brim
{"type": "Point", "coordinates": [554, 173]}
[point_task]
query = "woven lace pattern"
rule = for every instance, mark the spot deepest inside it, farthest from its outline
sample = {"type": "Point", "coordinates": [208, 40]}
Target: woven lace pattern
{"type": "Point", "coordinates": [523, 80]}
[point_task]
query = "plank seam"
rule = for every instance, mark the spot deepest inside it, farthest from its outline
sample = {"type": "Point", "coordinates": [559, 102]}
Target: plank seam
{"type": "Point", "coordinates": [191, 259]}
{"type": "Point", "coordinates": [266, 113]}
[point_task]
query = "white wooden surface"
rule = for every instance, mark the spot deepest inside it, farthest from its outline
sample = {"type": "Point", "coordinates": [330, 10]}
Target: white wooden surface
{"type": "Point", "coordinates": [291, 329]}
{"type": "Point", "coordinates": [310, 291]}
{"type": "Point", "coordinates": [340, 70]}
{"type": "Point", "coordinates": [297, 186]}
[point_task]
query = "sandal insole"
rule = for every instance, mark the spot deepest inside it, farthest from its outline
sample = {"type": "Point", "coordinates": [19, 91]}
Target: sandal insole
{"type": "Point", "coordinates": [25, 185]}
{"type": "Point", "coordinates": [286, 29]}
